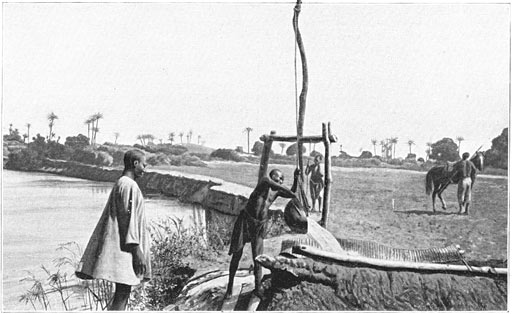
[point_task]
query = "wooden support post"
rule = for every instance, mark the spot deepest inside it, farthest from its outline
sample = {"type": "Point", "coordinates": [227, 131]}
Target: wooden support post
{"type": "Point", "coordinates": [326, 132]}
{"type": "Point", "coordinates": [265, 155]}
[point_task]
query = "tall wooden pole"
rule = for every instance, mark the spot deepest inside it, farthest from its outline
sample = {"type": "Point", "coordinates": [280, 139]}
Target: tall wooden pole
{"type": "Point", "coordinates": [303, 94]}
{"type": "Point", "coordinates": [265, 155]}
{"type": "Point", "coordinates": [326, 132]}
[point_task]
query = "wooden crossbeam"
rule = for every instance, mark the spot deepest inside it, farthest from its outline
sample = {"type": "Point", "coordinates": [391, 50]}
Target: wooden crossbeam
{"type": "Point", "coordinates": [293, 138]}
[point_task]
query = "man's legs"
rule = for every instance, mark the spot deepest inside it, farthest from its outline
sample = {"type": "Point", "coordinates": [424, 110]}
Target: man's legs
{"type": "Point", "coordinates": [257, 249]}
{"type": "Point", "coordinates": [467, 195]}
{"type": "Point", "coordinates": [233, 267]}
{"type": "Point", "coordinates": [121, 297]}
{"type": "Point", "coordinates": [312, 193]}
{"type": "Point", "coordinates": [460, 195]}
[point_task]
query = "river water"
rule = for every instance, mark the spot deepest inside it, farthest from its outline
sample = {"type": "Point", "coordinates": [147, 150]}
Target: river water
{"type": "Point", "coordinates": [41, 211]}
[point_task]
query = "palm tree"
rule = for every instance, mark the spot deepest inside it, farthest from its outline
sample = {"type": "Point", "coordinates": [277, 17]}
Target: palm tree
{"type": "Point", "coordinates": [116, 136]}
{"type": "Point", "coordinates": [410, 143]}
{"type": "Point", "coordinates": [382, 146]}
{"type": "Point", "coordinates": [88, 122]}
{"type": "Point", "coordinates": [374, 143]}
{"type": "Point", "coordinates": [150, 138]}
{"type": "Point", "coordinates": [97, 116]}
{"type": "Point", "coordinates": [51, 117]}
{"type": "Point", "coordinates": [283, 145]}
{"type": "Point", "coordinates": [189, 136]}
{"type": "Point", "coordinates": [141, 138]}
{"type": "Point", "coordinates": [95, 130]}
{"type": "Point", "coordinates": [28, 132]}
{"type": "Point", "coordinates": [248, 130]}
{"type": "Point", "coordinates": [181, 136]}
{"type": "Point", "coordinates": [393, 141]}
{"type": "Point", "coordinates": [91, 120]}
{"type": "Point", "coordinates": [459, 139]}
{"type": "Point", "coordinates": [171, 137]}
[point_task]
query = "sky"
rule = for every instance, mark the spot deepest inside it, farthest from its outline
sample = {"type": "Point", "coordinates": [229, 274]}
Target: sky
{"type": "Point", "coordinates": [417, 72]}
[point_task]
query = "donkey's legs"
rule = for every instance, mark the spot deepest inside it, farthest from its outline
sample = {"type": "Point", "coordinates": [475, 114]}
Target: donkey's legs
{"type": "Point", "coordinates": [434, 200]}
{"type": "Point", "coordinates": [441, 190]}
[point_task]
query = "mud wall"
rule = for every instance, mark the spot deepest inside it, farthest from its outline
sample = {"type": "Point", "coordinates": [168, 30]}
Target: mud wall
{"type": "Point", "coordinates": [323, 287]}
{"type": "Point", "coordinates": [211, 193]}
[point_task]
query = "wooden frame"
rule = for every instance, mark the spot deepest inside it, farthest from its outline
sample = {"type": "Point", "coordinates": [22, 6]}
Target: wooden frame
{"type": "Point", "coordinates": [326, 138]}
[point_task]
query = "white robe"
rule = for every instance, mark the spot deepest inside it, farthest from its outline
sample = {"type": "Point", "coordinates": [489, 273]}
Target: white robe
{"type": "Point", "coordinates": [123, 222]}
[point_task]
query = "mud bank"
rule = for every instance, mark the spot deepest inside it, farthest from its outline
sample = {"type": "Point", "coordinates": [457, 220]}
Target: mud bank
{"type": "Point", "coordinates": [210, 193]}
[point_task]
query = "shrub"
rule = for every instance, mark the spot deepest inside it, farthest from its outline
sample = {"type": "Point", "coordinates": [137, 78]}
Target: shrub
{"type": "Point", "coordinates": [411, 156]}
{"type": "Point", "coordinates": [158, 159]}
{"type": "Point", "coordinates": [118, 158]}
{"type": "Point", "coordinates": [293, 149]}
{"type": "Point", "coordinates": [186, 160]}
{"type": "Point", "coordinates": [176, 150]}
{"type": "Point", "coordinates": [172, 245]}
{"type": "Point", "coordinates": [77, 142]}
{"type": "Point", "coordinates": [257, 148]}
{"type": "Point", "coordinates": [84, 156]}
{"type": "Point", "coordinates": [103, 159]}
{"type": "Point", "coordinates": [226, 154]}
{"type": "Point", "coordinates": [366, 154]}
{"type": "Point", "coordinates": [56, 150]}
{"type": "Point", "coordinates": [445, 150]}
{"type": "Point", "coordinates": [26, 159]}
{"type": "Point", "coordinates": [497, 156]}
{"type": "Point", "coordinates": [396, 162]}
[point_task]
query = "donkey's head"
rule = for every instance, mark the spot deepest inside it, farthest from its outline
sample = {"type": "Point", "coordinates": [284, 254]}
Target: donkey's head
{"type": "Point", "coordinates": [478, 160]}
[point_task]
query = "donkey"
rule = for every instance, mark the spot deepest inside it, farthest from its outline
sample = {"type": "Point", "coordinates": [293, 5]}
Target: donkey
{"type": "Point", "coordinates": [439, 177]}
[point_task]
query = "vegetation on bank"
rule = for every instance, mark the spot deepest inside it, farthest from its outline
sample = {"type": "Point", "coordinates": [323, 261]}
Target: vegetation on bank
{"type": "Point", "coordinates": [78, 148]}
{"type": "Point", "coordinates": [172, 249]}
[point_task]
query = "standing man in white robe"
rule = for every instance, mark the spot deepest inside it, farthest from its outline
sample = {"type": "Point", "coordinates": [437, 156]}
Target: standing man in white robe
{"type": "Point", "coordinates": [119, 248]}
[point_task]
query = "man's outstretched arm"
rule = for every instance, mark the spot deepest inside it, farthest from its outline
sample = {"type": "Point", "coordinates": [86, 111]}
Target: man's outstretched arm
{"type": "Point", "coordinates": [293, 190]}
{"type": "Point", "coordinates": [282, 191]}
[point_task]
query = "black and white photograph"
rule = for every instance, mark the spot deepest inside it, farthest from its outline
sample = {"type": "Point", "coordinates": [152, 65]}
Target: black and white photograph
{"type": "Point", "coordinates": [255, 156]}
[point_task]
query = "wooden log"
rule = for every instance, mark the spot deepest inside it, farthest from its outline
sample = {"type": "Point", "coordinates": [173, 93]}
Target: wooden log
{"type": "Point", "coordinates": [314, 252]}
{"type": "Point", "coordinates": [304, 92]}
{"type": "Point", "coordinates": [265, 155]}
{"type": "Point", "coordinates": [326, 132]}
{"type": "Point", "coordinates": [293, 138]}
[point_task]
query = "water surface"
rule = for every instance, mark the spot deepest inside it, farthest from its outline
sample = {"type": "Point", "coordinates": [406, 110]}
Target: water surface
{"type": "Point", "coordinates": [41, 211]}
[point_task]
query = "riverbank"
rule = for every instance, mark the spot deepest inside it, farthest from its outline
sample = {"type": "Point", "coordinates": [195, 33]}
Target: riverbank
{"type": "Point", "coordinates": [211, 193]}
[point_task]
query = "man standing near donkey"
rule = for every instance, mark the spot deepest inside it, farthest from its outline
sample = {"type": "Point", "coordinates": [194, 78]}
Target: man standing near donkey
{"type": "Point", "coordinates": [119, 248]}
{"type": "Point", "coordinates": [464, 172]}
